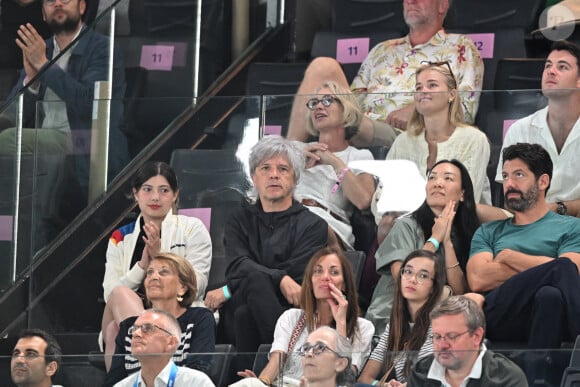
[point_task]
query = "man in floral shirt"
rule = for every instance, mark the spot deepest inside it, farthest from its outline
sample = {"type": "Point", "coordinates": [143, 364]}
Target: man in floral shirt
{"type": "Point", "coordinates": [386, 79]}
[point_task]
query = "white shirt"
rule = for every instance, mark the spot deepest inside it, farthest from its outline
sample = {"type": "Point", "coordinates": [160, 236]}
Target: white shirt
{"type": "Point", "coordinates": [534, 129]}
{"type": "Point", "coordinates": [317, 183]}
{"type": "Point", "coordinates": [466, 144]}
{"type": "Point", "coordinates": [185, 377]}
{"type": "Point", "coordinates": [437, 371]}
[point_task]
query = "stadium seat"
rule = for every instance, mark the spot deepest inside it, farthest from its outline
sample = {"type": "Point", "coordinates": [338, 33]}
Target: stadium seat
{"type": "Point", "coordinates": [136, 78]}
{"type": "Point", "coordinates": [325, 44]}
{"type": "Point", "coordinates": [571, 377]}
{"type": "Point", "coordinates": [575, 358]}
{"type": "Point", "coordinates": [154, 17]}
{"type": "Point", "coordinates": [261, 358]}
{"type": "Point", "coordinates": [215, 180]}
{"type": "Point", "coordinates": [209, 177]}
{"type": "Point", "coordinates": [494, 14]}
{"type": "Point", "coordinates": [357, 260]}
{"type": "Point", "coordinates": [221, 362]}
{"type": "Point", "coordinates": [279, 83]}
{"type": "Point", "coordinates": [368, 16]}
{"type": "Point", "coordinates": [519, 74]}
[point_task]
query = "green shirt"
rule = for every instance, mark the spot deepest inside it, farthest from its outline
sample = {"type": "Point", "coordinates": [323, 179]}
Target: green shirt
{"type": "Point", "coordinates": [550, 236]}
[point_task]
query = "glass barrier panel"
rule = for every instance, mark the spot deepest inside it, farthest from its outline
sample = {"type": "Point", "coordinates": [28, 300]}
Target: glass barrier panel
{"type": "Point", "coordinates": [494, 111]}
{"type": "Point", "coordinates": [89, 369]}
{"type": "Point", "coordinates": [209, 153]}
{"type": "Point", "coordinates": [148, 74]}
{"type": "Point", "coordinates": [540, 367]}
{"type": "Point", "coordinates": [14, 218]}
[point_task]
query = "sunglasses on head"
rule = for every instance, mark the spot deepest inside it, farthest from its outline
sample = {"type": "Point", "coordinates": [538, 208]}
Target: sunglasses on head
{"type": "Point", "coordinates": [441, 63]}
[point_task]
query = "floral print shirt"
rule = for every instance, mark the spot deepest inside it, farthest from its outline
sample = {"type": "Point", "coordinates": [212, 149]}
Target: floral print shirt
{"type": "Point", "coordinates": [386, 79]}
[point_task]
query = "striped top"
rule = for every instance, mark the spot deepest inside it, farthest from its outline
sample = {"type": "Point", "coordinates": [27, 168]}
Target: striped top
{"type": "Point", "coordinates": [380, 351]}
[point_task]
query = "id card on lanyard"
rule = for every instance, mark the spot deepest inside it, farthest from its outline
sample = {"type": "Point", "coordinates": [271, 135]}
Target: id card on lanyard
{"type": "Point", "coordinates": [170, 382]}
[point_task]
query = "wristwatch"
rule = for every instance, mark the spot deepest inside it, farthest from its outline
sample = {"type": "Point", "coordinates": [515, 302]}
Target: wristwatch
{"type": "Point", "coordinates": [562, 209]}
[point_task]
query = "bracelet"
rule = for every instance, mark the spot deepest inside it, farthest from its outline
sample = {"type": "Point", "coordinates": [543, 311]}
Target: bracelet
{"type": "Point", "coordinates": [339, 180]}
{"type": "Point", "coordinates": [375, 382]}
{"type": "Point", "coordinates": [451, 267]}
{"type": "Point", "coordinates": [227, 293]}
{"type": "Point", "coordinates": [265, 380]}
{"type": "Point", "coordinates": [434, 242]}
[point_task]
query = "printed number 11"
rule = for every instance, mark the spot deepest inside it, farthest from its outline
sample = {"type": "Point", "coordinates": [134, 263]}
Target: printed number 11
{"type": "Point", "coordinates": [156, 58]}
{"type": "Point", "coordinates": [353, 50]}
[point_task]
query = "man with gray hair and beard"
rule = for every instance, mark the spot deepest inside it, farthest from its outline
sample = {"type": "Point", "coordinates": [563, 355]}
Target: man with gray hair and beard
{"type": "Point", "coordinates": [460, 358]}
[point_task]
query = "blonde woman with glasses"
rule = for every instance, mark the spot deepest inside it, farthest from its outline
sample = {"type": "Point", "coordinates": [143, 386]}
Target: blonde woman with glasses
{"type": "Point", "coordinates": [328, 187]}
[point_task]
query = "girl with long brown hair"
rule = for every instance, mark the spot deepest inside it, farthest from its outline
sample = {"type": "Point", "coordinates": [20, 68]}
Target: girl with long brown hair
{"type": "Point", "coordinates": [408, 334]}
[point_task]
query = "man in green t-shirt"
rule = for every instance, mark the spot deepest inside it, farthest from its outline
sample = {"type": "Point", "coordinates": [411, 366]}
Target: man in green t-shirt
{"type": "Point", "coordinates": [527, 266]}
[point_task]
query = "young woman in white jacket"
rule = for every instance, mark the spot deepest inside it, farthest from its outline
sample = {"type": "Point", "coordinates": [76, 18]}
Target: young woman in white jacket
{"type": "Point", "coordinates": [131, 247]}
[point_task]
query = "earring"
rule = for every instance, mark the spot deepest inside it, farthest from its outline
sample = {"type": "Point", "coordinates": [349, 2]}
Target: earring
{"type": "Point", "coordinates": [179, 297]}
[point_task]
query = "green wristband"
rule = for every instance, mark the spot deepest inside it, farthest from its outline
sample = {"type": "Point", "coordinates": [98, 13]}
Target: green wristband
{"type": "Point", "coordinates": [434, 242]}
{"type": "Point", "coordinates": [227, 293]}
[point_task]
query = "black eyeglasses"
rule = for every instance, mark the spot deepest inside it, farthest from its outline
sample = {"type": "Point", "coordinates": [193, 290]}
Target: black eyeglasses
{"type": "Point", "coordinates": [147, 328]}
{"type": "Point", "coordinates": [326, 100]}
{"type": "Point", "coordinates": [316, 349]}
{"type": "Point", "coordinates": [441, 63]}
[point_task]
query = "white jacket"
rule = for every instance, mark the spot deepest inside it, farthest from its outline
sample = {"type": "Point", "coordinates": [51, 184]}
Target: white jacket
{"type": "Point", "coordinates": [182, 235]}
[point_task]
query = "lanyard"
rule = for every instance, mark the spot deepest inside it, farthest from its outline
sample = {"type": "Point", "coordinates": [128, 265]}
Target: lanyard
{"type": "Point", "coordinates": [170, 382]}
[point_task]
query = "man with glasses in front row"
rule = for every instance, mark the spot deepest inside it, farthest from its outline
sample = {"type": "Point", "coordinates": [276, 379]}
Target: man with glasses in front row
{"type": "Point", "coordinates": [155, 337]}
{"type": "Point", "coordinates": [460, 358]}
{"type": "Point", "coordinates": [35, 359]}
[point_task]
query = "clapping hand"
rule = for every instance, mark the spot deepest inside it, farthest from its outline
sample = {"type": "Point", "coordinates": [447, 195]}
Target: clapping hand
{"type": "Point", "coordinates": [33, 49]}
{"type": "Point", "coordinates": [444, 223]}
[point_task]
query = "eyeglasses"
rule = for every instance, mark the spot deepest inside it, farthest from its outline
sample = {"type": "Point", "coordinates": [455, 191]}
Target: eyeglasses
{"type": "Point", "coordinates": [316, 349]}
{"type": "Point", "coordinates": [51, 2]}
{"type": "Point", "coordinates": [449, 338]}
{"type": "Point", "coordinates": [326, 100]}
{"type": "Point", "coordinates": [420, 276]}
{"type": "Point", "coordinates": [441, 63]}
{"type": "Point", "coordinates": [146, 329]}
